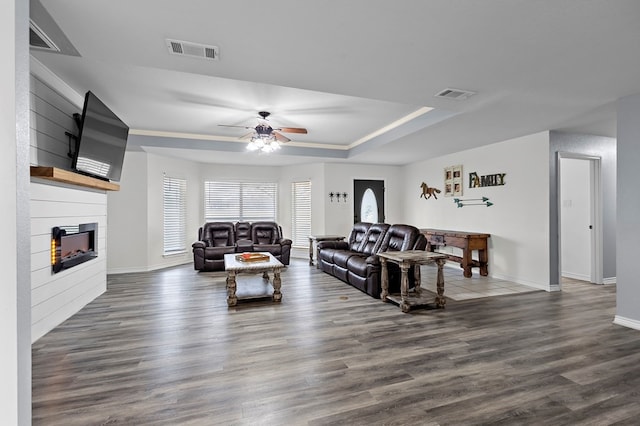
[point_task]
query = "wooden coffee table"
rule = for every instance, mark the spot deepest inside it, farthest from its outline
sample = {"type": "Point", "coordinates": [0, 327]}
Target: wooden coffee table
{"type": "Point", "coordinates": [406, 260]}
{"type": "Point", "coordinates": [233, 267]}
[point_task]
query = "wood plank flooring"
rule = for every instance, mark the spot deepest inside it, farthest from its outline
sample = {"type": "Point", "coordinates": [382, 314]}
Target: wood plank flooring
{"type": "Point", "coordinates": [163, 348]}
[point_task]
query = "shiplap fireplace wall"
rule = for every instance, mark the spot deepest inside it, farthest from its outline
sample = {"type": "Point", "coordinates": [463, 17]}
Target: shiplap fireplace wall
{"type": "Point", "coordinates": [56, 297]}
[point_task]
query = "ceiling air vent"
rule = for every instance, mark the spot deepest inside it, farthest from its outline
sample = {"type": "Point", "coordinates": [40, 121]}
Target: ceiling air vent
{"type": "Point", "coordinates": [39, 40]}
{"type": "Point", "coordinates": [456, 94]}
{"type": "Point", "coordinates": [187, 48]}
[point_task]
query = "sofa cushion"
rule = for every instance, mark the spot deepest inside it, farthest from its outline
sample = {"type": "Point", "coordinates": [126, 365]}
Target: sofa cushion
{"type": "Point", "coordinates": [372, 240]}
{"type": "Point", "coordinates": [341, 257]}
{"type": "Point", "coordinates": [400, 238]}
{"type": "Point", "coordinates": [265, 233]}
{"type": "Point", "coordinates": [217, 234]}
{"type": "Point", "coordinates": [358, 265]}
{"type": "Point", "coordinates": [357, 235]}
{"type": "Point", "coordinates": [274, 249]}
{"type": "Point", "coordinates": [218, 253]}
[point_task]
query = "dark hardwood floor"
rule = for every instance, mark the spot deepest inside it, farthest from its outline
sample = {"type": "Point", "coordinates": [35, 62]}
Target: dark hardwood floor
{"type": "Point", "coordinates": [163, 348]}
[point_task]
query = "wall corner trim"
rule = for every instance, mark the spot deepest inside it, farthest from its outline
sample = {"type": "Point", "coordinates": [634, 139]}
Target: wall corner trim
{"type": "Point", "coordinates": [627, 322]}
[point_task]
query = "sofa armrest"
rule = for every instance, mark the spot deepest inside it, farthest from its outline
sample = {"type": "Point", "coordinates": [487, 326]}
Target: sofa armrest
{"type": "Point", "coordinates": [338, 245]}
{"type": "Point", "coordinates": [373, 260]}
{"type": "Point", "coordinates": [285, 242]}
{"type": "Point", "coordinates": [199, 244]}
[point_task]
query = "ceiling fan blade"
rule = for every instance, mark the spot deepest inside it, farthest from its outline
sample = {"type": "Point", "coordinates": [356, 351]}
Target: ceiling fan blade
{"type": "Point", "coordinates": [293, 130]}
{"type": "Point", "coordinates": [247, 136]}
{"type": "Point", "coordinates": [229, 125]}
{"type": "Point", "coordinates": [280, 137]}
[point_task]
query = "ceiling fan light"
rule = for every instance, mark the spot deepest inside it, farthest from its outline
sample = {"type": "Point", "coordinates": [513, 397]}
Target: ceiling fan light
{"type": "Point", "coordinates": [252, 146]}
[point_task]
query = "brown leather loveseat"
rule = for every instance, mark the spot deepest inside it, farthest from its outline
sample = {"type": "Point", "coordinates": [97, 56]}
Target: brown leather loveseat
{"type": "Point", "coordinates": [215, 239]}
{"type": "Point", "coordinates": [355, 260]}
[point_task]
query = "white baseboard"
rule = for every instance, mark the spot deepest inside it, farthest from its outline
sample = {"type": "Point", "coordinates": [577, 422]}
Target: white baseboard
{"type": "Point", "coordinates": [610, 280]}
{"type": "Point", "coordinates": [574, 276]}
{"type": "Point", "coordinates": [540, 286]}
{"type": "Point", "coordinates": [136, 269]}
{"type": "Point", "coordinates": [627, 322]}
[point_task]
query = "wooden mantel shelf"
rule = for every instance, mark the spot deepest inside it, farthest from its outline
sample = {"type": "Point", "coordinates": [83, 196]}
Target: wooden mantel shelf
{"type": "Point", "coordinates": [60, 175]}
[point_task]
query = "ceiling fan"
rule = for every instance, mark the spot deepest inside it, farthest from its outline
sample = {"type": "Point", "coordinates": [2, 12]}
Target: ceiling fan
{"type": "Point", "coordinates": [265, 132]}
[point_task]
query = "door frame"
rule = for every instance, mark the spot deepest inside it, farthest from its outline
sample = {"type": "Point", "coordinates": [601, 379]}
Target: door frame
{"type": "Point", "coordinates": [595, 188]}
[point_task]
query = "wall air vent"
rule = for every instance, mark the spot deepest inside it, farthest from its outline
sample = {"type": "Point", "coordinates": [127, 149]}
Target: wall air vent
{"type": "Point", "coordinates": [39, 40]}
{"type": "Point", "coordinates": [456, 94]}
{"type": "Point", "coordinates": [186, 48]}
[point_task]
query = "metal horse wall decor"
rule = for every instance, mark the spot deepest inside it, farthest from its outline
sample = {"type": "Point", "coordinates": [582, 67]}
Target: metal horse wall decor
{"type": "Point", "coordinates": [427, 191]}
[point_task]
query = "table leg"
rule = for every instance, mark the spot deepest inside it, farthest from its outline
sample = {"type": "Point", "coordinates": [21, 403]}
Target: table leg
{"type": "Point", "coordinates": [404, 288]}
{"type": "Point", "coordinates": [440, 300]}
{"type": "Point", "coordinates": [277, 283]}
{"type": "Point", "coordinates": [310, 251]}
{"type": "Point", "coordinates": [232, 300]}
{"type": "Point", "coordinates": [417, 285]}
{"type": "Point", "coordinates": [484, 262]}
{"type": "Point", "coordinates": [384, 279]}
{"type": "Point", "coordinates": [265, 275]}
{"type": "Point", "coordinates": [466, 262]}
{"type": "Point", "coordinates": [317, 258]}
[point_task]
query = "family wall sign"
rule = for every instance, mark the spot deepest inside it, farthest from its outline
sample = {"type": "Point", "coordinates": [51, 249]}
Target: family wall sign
{"type": "Point", "coordinates": [477, 181]}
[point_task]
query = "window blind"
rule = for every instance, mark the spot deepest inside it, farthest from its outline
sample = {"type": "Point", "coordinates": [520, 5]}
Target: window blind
{"type": "Point", "coordinates": [175, 214]}
{"type": "Point", "coordinates": [300, 213]}
{"type": "Point", "coordinates": [240, 201]}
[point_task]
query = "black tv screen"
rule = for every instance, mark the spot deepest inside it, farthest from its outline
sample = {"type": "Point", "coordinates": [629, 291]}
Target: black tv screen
{"type": "Point", "coordinates": [102, 141]}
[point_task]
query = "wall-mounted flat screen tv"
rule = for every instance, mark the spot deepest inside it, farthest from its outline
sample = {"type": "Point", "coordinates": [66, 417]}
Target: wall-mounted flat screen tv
{"type": "Point", "coordinates": [101, 142]}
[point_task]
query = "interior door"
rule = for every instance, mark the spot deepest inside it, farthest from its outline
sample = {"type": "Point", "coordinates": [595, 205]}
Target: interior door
{"type": "Point", "coordinates": [591, 229]}
{"type": "Point", "coordinates": [368, 201]}
{"type": "Point", "coordinates": [576, 222]}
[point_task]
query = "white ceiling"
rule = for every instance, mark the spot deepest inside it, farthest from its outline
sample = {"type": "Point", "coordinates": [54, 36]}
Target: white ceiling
{"type": "Point", "coordinates": [346, 70]}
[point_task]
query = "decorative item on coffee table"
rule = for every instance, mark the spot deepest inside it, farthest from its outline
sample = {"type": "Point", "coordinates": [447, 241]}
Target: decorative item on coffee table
{"type": "Point", "coordinates": [252, 257]}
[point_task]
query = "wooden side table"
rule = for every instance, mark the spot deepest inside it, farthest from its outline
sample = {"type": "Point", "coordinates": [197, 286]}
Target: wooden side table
{"type": "Point", "coordinates": [406, 260]}
{"type": "Point", "coordinates": [317, 239]}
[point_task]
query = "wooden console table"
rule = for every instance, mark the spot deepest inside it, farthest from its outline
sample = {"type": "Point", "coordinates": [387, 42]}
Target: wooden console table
{"type": "Point", "coordinates": [467, 241]}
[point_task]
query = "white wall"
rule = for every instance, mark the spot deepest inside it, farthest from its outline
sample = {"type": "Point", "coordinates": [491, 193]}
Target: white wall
{"type": "Point", "coordinates": [56, 297]}
{"type": "Point", "coordinates": [298, 173]}
{"type": "Point", "coordinates": [8, 253]}
{"type": "Point", "coordinates": [157, 167]}
{"type": "Point", "coordinates": [588, 145]}
{"type": "Point", "coordinates": [127, 217]}
{"type": "Point", "coordinates": [518, 221]}
{"type": "Point", "coordinates": [628, 206]}
{"type": "Point", "coordinates": [340, 177]}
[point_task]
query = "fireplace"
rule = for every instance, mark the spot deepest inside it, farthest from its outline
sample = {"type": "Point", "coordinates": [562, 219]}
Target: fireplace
{"type": "Point", "coordinates": [73, 245]}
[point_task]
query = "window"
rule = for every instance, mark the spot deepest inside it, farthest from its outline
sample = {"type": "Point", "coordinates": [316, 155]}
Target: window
{"type": "Point", "coordinates": [245, 201]}
{"type": "Point", "coordinates": [175, 214]}
{"type": "Point", "coordinates": [300, 213]}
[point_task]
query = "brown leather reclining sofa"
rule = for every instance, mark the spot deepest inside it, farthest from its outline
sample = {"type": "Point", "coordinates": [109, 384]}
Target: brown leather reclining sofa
{"type": "Point", "coordinates": [355, 261]}
{"type": "Point", "coordinates": [215, 239]}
